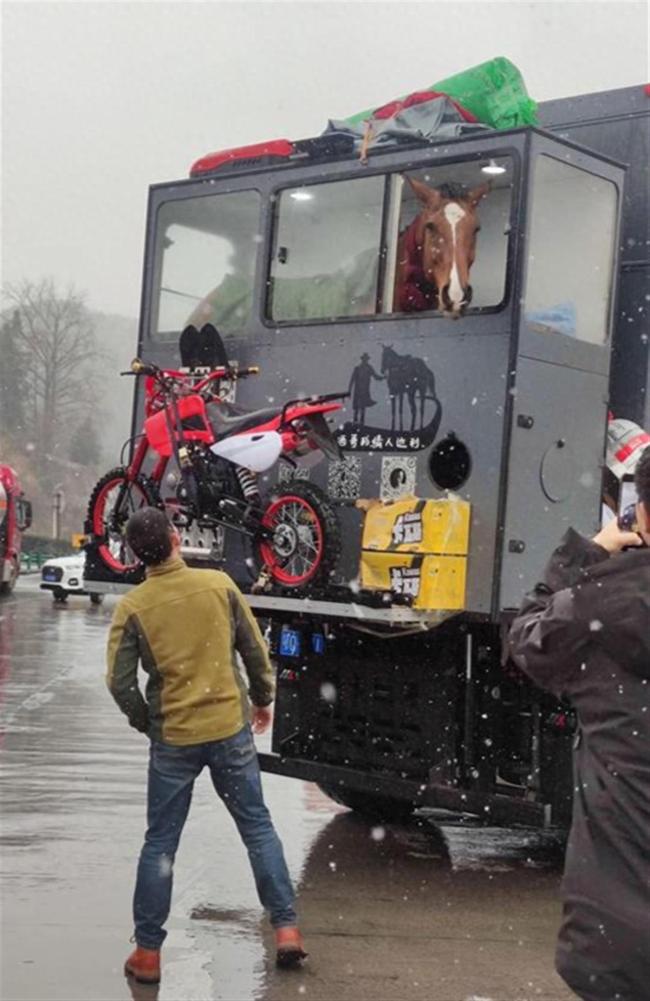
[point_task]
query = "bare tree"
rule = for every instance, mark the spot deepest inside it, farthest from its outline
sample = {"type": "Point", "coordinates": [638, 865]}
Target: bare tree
{"type": "Point", "coordinates": [56, 338]}
{"type": "Point", "coordinates": [13, 384]}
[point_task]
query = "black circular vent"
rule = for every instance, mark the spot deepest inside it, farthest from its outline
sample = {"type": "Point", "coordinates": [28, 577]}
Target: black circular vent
{"type": "Point", "coordinates": [450, 463]}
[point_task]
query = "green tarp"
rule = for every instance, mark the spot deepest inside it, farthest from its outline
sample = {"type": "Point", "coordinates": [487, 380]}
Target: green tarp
{"type": "Point", "coordinates": [493, 91]}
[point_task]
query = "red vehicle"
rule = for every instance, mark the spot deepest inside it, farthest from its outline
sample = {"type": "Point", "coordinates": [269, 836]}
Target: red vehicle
{"type": "Point", "coordinates": [211, 452]}
{"type": "Point", "coordinates": [15, 517]}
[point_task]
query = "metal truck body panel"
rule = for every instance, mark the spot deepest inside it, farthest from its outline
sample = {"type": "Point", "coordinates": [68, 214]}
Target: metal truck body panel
{"type": "Point", "coordinates": [373, 701]}
{"type": "Point", "coordinates": [470, 364]}
{"type": "Point", "coordinates": [617, 123]}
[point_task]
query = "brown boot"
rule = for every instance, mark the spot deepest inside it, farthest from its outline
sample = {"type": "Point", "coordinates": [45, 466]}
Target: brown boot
{"type": "Point", "coordinates": [289, 945]}
{"type": "Point", "coordinates": [143, 965]}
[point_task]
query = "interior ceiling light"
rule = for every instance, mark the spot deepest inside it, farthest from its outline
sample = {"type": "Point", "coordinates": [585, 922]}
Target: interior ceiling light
{"type": "Point", "coordinates": [493, 168]}
{"type": "Point", "coordinates": [302, 196]}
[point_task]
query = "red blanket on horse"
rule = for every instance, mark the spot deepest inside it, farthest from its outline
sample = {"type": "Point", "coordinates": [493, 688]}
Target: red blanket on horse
{"type": "Point", "coordinates": [414, 293]}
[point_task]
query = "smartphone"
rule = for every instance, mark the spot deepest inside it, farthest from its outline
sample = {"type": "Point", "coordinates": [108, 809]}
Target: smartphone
{"type": "Point", "coordinates": [627, 519]}
{"type": "Point", "coordinates": [627, 500]}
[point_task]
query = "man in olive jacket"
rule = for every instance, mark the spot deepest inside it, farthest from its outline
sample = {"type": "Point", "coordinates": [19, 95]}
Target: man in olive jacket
{"type": "Point", "coordinates": [185, 628]}
{"type": "Point", "coordinates": [584, 634]}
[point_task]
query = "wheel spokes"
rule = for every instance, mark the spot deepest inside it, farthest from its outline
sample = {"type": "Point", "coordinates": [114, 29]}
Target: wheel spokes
{"type": "Point", "coordinates": [114, 520]}
{"type": "Point", "coordinates": [298, 517]}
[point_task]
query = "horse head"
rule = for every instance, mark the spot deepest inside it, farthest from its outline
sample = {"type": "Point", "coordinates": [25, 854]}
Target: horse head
{"type": "Point", "coordinates": [446, 237]}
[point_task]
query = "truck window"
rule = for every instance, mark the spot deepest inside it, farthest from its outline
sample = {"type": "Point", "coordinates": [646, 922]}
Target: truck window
{"type": "Point", "coordinates": [326, 250]}
{"type": "Point", "coordinates": [23, 514]}
{"type": "Point", "coordinates": [206, 249]}
{"type": "Point", "coordinates": [570, 251]}
{"type": "Point", "coordinates": [448, 241]}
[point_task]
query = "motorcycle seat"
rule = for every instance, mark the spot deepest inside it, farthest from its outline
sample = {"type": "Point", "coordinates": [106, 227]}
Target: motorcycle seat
{"type": "Point", "coordinates": [224, 425]}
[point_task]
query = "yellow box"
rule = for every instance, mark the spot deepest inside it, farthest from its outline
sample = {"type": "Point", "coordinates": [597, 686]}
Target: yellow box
{"type": "Point", "coordinates": [413, 525]}
{"type": "Point", "coordinates": [434, 582]}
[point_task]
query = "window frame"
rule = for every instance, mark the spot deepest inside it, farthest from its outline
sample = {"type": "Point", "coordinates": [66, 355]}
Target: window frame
{"type": "Point", "coordinates": [535, 155]}
{"type": "Point", "coordinates": [155, 337]}
{"type": "Point", "coordinates": [23, 513]}
{"type": "Point", "coordinates": [274, 198]}
{"type": "Point", "coordinates": [274, 201]}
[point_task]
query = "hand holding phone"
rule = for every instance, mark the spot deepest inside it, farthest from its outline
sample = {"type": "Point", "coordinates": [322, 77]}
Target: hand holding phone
{"type": "Point", "coordinates": [627, 519]}
{"type": "Point", "coordinates": [614, 537]}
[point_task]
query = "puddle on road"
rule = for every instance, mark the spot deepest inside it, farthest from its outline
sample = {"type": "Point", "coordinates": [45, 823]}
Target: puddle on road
{"type": "Point", "coordinates": [492, 849]}
{"type": "Point", "coordinates": [72, 778]}
{"type": "Point", "coordinates": [72, 782]}
{"type": "Point", "coordinates": [430, 911]}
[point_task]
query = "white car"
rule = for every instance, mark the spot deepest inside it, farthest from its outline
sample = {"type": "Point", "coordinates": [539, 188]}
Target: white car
{"type": "Point", "coordinates": [64, 575]}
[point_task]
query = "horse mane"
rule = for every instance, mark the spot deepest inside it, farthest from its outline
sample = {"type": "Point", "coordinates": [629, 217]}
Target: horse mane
{"type": "Point", "coordinates": [452, 190]}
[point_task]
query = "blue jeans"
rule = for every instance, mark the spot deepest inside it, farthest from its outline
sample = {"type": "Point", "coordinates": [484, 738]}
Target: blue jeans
{"type": "Point", "coordinates": [235, 774]}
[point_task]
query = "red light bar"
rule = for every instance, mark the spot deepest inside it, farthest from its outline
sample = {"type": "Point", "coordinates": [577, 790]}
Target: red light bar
{"type": "Point", "coordinates": [275, 148]}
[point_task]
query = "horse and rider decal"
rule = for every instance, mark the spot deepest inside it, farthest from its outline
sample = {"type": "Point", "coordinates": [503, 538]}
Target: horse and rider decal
{"type": "Point", "coordinates": [359, 388]}
{"type": "Point", "coordinates": [407, 378]}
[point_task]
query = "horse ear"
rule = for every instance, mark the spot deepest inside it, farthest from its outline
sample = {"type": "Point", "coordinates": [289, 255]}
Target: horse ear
{"type": "Point", "coordinates": [430, 197]}
{"type": "Point", "coordinates": [476, 194]}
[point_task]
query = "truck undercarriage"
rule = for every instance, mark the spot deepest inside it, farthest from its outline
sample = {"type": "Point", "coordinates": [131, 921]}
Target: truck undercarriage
{"type": "Point", "coordinates": [389, 724]}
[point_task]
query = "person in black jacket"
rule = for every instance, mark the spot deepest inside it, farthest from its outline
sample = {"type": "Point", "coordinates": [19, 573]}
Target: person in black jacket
{"type": "Point", "coordinates": [584, 635]}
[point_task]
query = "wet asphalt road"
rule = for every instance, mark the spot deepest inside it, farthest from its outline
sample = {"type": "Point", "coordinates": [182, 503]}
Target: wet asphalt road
{"type": "Point", "coordinates": [388, 913]}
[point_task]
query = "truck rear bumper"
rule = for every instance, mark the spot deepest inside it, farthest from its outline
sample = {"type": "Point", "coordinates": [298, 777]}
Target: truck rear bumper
{"type": "Point", "coordinates": [399, 616]}
{"type": "Point", "coordinates": [494, 808]}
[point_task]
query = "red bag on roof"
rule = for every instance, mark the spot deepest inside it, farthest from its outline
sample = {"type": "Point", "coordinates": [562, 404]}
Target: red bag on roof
{"type": "Point", "coordinates": [419, 97]}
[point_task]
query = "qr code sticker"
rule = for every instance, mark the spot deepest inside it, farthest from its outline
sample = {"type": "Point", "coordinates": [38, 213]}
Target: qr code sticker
{"type": "Point", "coordinates": [344, 479]}
{"type": "Point", "coordinates": [397, 476]}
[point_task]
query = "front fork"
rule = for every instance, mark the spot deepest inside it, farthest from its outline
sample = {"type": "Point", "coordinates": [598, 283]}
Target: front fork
{"type": "Point", "coordinates": [133, 470]}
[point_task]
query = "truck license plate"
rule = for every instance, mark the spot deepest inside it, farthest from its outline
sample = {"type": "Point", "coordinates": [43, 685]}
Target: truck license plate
{"type": "Point", "coordinates": [290, 643]}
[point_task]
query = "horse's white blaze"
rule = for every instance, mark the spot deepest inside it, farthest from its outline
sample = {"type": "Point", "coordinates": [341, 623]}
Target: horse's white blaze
{"type": "Point", "coordinates": [453, 215]}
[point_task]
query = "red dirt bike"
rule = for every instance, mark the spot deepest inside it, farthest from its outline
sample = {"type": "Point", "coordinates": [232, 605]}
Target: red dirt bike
{"type": "Point", "coordinates": [210, 452]}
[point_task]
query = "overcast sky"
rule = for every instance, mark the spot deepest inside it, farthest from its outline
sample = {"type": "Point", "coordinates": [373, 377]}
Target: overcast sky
{"type": "Point", "coordinates": [99, 100]}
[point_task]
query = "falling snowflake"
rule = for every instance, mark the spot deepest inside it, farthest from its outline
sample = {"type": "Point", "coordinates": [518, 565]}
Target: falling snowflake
{"type": "Point", "coordinates": [328, 692]}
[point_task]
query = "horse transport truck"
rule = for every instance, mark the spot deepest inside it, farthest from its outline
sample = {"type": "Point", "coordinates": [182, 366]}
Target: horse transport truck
{"type": "Point", "coordinates": [15, 518]}
{"type": "Point", "coordinates": [466, 312]}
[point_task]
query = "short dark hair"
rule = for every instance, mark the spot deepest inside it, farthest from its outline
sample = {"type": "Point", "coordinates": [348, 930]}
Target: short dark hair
{"type": "Point", "coordinates": [642, 478]}
{"type": "Point", "coordinates": [148, 533]}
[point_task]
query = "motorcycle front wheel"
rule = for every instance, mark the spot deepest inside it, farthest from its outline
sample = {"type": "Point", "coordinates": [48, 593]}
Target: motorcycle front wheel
{"type": "Point", "coordinates": [304, 541]}
{"type": "Point", "coordinates": [113, 500]}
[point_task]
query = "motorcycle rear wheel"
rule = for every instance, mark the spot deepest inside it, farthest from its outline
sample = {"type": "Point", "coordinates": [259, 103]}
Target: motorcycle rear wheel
{"type": "Point", "coordinates": [108, 513]}
{"type": "Point", "coordinates": [306, 541]}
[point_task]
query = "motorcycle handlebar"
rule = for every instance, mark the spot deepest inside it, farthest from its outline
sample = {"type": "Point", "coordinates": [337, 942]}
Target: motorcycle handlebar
{"type": "Point", "coordinates": [233, 373]}
{"type": "Point", "coordinates": [139, 367]}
